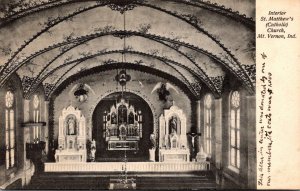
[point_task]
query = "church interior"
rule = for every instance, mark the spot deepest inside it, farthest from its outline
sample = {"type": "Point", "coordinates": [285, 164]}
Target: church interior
{"type": "Point", "coordinates": [127, 94]}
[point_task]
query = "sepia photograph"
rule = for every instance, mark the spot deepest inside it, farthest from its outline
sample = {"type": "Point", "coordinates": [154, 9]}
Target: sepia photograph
{"type": "Point", "coordinates": [129, 94]}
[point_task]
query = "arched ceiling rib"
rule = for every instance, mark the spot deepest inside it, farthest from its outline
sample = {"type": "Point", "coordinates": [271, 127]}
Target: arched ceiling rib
{"type": "Point", "coordinates": [115, 67]}
{"type": "Point", "coordinates": [164, 50]}
{"type": "Point", "coordinates": [164, 64]}
{"type": "Point", "coordinates": [241, 11]}
{"type": "Point", "coordinates": [80, 43]}
{"type": "Point", "coordinates": [74, 70]}
{"type": "Point", "coordinates": [187, 33]}
{"type": "Point", "coordinates": [155, 51]}
{"type": "Point", "coordinates": [65, 30]}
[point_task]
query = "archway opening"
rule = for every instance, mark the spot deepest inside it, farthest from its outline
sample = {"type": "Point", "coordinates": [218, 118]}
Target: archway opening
{"type": "Point", "coordinates": [122, 124]}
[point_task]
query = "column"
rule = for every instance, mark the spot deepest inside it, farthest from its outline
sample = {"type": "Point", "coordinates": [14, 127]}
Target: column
{"type": "Point", "coordinates": [46, 129]}
{"type": "Point", "coordinates": [26, 129]}
{"type": "Point", "coordinates": [218, 131]}
{"type": "Point", "coordinates": [198, 110]}
{"type": "Point", "coordinates": [28, 166]}
{"type": "Point", "coordinates": [217, 125]}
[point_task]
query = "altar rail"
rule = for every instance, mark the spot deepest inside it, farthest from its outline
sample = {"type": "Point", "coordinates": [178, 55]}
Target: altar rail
{"type": "Point", "coordinates": [131, 167]}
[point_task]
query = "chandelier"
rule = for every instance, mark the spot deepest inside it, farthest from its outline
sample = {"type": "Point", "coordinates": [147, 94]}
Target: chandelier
{"type": "Point", "coordinates": [122, 78]}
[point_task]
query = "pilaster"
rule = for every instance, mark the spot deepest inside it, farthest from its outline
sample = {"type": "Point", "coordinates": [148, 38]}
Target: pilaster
{"type": "Point", "coordinates": [218, 132]}
{"type": "Point", "coordinates": [28, 167]}
{"type": "Point", "coordinates": [46, 128]}
{"type": "Point", "coordinates": [199, 124]}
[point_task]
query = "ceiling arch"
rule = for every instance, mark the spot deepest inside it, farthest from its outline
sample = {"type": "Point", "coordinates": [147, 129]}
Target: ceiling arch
{"type": "Point", "coordinates": [130, 33]}
{"type": "Point", "coordinates": [203, 52]}
{"type": "Point", "coordinates": [17, 10]}
{"type": "Point", "coordinates": [65, 46]}
{"type": "Point", "coordinates": [188, 62]}
{"type": "Point", "coordinates": [115, 66]}
{"type": "Point", "coordinates": [184, 75]}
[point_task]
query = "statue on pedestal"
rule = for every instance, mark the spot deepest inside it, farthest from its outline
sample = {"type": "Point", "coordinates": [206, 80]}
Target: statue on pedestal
{"type": "Point", "coordinates": [153, 141]}
{"type": "Point", "coordinates": [152, 150]}
{"type": "Point", "coordinates": [71, 126]}
{"type": "Point", "coordinates": [93, 151]}
{"type": "Point", "coordinates": [173, 125]}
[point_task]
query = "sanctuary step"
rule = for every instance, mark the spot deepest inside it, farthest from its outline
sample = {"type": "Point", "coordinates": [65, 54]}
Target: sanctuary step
{"type": "Point", "coordinates": [144, 181]}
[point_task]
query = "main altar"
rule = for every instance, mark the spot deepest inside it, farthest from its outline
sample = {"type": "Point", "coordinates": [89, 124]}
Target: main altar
{"type": "Point", "coordinates": [122, 127]}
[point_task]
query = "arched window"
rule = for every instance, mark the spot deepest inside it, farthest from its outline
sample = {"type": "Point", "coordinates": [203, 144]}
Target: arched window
{"type": "Point", "coordinates": [207, 122]}
{"type": "Point", "coordinates": [234, 133]}
{"type": "Point", "coordinates": [36, 116]}
{"type": "Point", "coordinates": [10, 131]}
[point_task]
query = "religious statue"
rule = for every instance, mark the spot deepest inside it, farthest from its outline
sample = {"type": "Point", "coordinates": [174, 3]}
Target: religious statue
{"type": "Point", "coordinates": [122, 114]}
{"type": "Point", "coordinates": [114, 118]}
{"type": "Point", "coordinates": [93, 150]}
{"type": "Point", "coordinates": [153, 140]}
{"type": "Point", "coordinates": [173, 125]}
{"type": "Point", "coordinates": [152, 149]}
{"type": "Point", "coordinates": [71, 126]}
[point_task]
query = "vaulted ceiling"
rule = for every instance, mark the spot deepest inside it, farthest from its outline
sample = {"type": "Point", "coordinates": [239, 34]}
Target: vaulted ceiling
{"type": "Point", "coordinates": [198, 42]}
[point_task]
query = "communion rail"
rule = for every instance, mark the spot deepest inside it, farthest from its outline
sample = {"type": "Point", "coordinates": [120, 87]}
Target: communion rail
{"type": "Point", "coordinates": [131, 167]}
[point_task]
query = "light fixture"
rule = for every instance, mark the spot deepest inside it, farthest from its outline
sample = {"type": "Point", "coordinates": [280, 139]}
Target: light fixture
{"type": "Point", "coordinates": [81, 94]}
{"type": "Point", "coordinates": [122, 77]}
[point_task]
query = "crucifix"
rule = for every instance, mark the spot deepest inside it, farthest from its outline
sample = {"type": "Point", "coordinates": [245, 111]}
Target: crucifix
{"type": "Point", "coordinates": [193, 135]}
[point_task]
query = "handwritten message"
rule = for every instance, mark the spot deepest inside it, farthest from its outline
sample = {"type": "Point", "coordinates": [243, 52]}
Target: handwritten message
{"type": "Point", "coordinates": [277, 24]}
{"type": "Point", "coordinates": [265, 125]}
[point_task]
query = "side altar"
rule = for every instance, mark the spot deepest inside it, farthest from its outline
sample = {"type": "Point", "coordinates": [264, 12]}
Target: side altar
{"type": "Point", "coordinates": [172, 136]}
{"type": "Point", "coordinates": [71, 136]}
